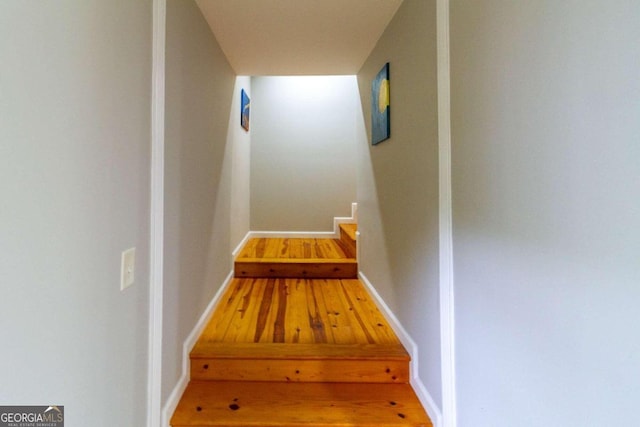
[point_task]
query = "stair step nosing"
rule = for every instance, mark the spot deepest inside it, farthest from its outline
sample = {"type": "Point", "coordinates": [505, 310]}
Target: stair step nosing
{"type": "Point", "coordinates": [297, 260]}
{"type": "Point", "coordinates": [252, 351]}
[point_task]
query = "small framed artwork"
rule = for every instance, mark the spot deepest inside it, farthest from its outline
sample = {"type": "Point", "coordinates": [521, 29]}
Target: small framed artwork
{"type": "Point", "coordinates": [380, 105]}
{"type": "Point", "coordinates": [245, 109]}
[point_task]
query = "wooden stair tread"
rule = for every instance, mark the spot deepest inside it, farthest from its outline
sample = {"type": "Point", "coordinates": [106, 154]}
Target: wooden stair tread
{"type": "Point", "coordinates": [296, 257]}
{"type": "Point", "coordinates": [292, 248]}
{"type": "Point", "coordinates": [297, 311]}
{"type": "Point", "coordinates": [265, 404]}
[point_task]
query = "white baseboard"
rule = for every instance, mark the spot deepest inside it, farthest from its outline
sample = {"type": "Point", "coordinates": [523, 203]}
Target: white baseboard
{"type": "Point", "coordinates": [335, 234]}
{"type": "Point", "coordinates": [172, 402]}
{"type": "Point", "coordinates": [411, 347]}
{"type": "Point", "coordinates": [427, 401]}
{"type": "Point", "coordinates": [238, 248]}
{"type": "Point", "coordinates": [292, 234]}
{"type": "Point", "coordinates": [345, 219]}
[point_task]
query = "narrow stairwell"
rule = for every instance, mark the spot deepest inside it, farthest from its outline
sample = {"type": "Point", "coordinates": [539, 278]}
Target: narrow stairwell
{"type": "Point", "coordinates": [297, 341]}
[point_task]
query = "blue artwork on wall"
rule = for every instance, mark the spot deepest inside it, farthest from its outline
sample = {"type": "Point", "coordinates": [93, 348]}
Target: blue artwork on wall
{"type": "Point", "coordinates": [245, 109]}
{"type": "Point", "coordinates": [380, 105]}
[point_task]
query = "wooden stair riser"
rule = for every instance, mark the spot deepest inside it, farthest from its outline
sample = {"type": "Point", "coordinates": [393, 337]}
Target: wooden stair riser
{"type": "Point", "coordinates": [323, 370]}
{"type": "Point", "coordinates": [347, 241]}
{"type": "Point", "coordinates": [336, 269]}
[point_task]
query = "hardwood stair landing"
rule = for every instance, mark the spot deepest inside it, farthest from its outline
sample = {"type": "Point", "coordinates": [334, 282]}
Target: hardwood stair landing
{"type": "Point", "coordinates": [296, 257]}
{"type": "Point", "coordinates": [299, 330]}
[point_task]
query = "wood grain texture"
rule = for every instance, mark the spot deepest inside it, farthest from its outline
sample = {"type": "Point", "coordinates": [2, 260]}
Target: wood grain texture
{"type": "Point", "coordinates": [222, 350]}
{"type": "Point", "coordinates": [348, 238]}
{"type": "Point", "coordinates": [292, 248]}
{"type": "Point", "coordinates": [299, 330]}
{"type": "Point", "coordinates": [349, 230]}
{"type": "Point", "coordinates": [265, 404]}
{"type": "Point", "coordinates": [293, 257]}
{"type": "Point", "coordinates": [297, 311]}
{"type": "Point", "coordinates": [328, 369]}
{"type": "Point", "coordinates": [317, 269]}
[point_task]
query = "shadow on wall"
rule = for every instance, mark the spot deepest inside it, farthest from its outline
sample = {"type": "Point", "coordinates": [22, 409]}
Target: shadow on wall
{"type": "Point", "coordinates": [302, 151]}
{"type": "Point", "coordinates": [374, 253]}
{"type": "Point", "coordinates": [399, 182]}
{"type": "Point", "coordinates": [398, 198]}
{"type": "Point", "coordinates": [197, 199]}
{"type": "Point", "coordinates": [199, 91]}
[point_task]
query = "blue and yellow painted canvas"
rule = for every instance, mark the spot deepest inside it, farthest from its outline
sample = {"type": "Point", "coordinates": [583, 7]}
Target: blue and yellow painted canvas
{"type": "Point", "coordinates": [380, 105]}
{"type": "Point", "coordinates": [245, 109]}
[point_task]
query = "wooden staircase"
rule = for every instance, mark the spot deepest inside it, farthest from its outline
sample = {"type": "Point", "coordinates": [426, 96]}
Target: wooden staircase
{"type": "Point", "coordinates": [297, 341]}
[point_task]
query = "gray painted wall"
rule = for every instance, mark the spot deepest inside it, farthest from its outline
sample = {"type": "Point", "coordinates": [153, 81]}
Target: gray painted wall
{"type": "Point", "coordinates": [546, 186]}
{"type": "Point", "coordinates": [240, 142]}
{"type": "Point", "coordinates": [303, 161]}
{"type": "Point", "coordinates": [205, 158]}
{"type": "Point", "coordinates": [75, 96]}
{"type": "Point", "coordinates": [398, 183]}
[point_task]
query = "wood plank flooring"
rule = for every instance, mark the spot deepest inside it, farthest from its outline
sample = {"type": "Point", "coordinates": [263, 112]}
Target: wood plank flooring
{"type": "Point", "coordinates": [288, 248]}
{"type": "Point", "coordinates": [306, 311]}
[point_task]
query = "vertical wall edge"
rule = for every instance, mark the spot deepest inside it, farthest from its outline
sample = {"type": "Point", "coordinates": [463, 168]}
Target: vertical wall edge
{"type": "Point", "coordinates": [447, 318]}
{"type": "Point", "coordinates": [156, 244]}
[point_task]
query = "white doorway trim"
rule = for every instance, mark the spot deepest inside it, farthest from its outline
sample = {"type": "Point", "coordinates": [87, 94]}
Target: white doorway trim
{"type": "Point", "coordinates": [156, 244]}
{"type": "Point", "coordinates": [447, 315]}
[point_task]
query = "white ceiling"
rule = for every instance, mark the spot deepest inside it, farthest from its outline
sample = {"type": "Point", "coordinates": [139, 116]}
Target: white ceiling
{"type": "Point", "coordinates": [297, 37]}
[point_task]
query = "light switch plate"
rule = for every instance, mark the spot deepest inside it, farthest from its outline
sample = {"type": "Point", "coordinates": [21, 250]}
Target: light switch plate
{"type": "Point", "coordinates": [127, 268]}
